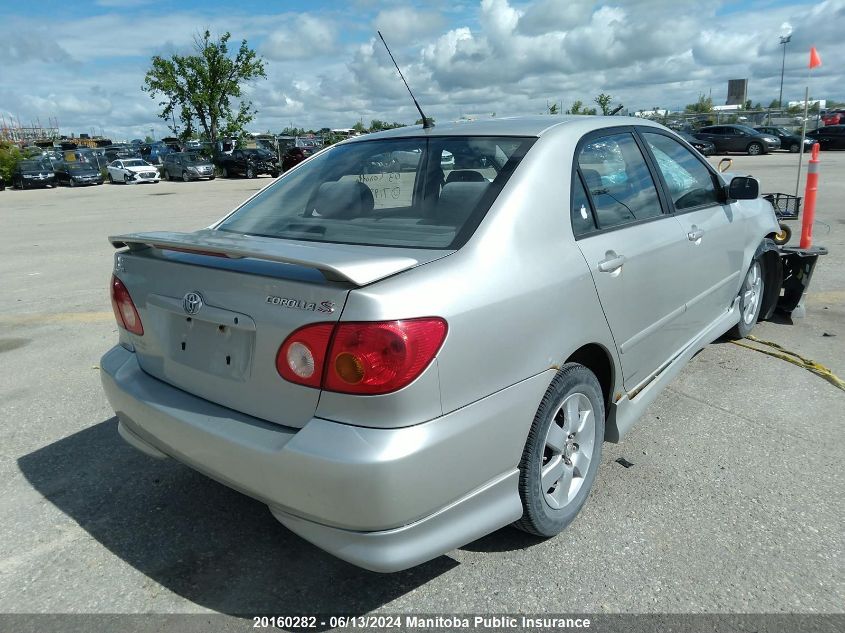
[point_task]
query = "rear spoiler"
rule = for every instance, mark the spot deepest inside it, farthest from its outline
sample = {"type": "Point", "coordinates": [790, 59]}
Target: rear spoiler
{"type": "Point", "coordinates": [359, 265]}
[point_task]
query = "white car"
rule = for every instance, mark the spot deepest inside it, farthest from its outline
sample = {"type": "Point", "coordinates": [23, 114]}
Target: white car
{"type": "Point", "coordinates": [132, 171]}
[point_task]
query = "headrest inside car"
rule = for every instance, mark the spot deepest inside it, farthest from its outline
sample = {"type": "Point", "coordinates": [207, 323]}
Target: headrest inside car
{"type": "Point", "coordinates": [341, 200]}
{"type": "Point", "coordinates": [457, 201]}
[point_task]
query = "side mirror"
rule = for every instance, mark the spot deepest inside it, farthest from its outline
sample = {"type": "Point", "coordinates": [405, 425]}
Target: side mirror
{"type": "Point", "coordinates": [744, 188]}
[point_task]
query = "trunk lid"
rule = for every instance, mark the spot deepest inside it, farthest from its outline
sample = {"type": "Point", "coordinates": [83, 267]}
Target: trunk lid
{"type": "Point", "coordinates": [216, 307]}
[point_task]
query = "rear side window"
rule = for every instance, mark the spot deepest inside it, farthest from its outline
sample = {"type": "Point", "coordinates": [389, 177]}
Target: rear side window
{"type": "Point", "coordinates": [690, 183]}
{"type": "Point", "coordinates": [618, 180]}
{"type": "Point", "coordinates": [410, 192]}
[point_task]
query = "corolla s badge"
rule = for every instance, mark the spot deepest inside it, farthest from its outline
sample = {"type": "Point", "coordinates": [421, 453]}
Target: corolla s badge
{"type": "Point", "coordinates": [301, 304]}
{"type": "Point", "coordinates": [192, 302]}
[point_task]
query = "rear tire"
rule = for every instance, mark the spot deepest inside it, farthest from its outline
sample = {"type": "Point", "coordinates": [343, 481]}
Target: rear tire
{"type": "Point", "coordinates": [793, 149]}
{"type": "Point", "coordinates": [250, 172]}
{"type": "Point", "coordinates": [185, 177]}
{"type": "Point", "coordinates": [754, 149]}
{"type": "Point", "coordinates": [562, 453]}
{"type": "Point", "coordinates": [750, 300]}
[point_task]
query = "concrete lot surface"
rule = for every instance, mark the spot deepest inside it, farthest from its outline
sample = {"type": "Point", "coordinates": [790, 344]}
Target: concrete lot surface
{"type": "Point", "coordinates": [734, 502]}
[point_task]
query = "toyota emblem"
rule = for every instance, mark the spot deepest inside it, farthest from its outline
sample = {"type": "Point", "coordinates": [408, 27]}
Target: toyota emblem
{"type": "Point", "coordinates": [192, 302]}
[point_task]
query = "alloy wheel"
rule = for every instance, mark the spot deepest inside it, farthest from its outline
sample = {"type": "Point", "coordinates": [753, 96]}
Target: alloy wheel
{"type": "Point", "coordinates": [751, 290]}
{"type": "Point", "coordinates": [568, 450]}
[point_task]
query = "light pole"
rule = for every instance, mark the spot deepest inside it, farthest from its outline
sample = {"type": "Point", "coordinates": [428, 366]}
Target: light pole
{"type": "Point", "coordinates": [784, 40]}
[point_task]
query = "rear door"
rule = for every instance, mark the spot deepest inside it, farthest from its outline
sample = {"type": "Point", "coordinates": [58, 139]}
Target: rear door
{"type": "Point", "coordinates": [632, 247]}
{"type": "Point", "coordinates": [715, 233]}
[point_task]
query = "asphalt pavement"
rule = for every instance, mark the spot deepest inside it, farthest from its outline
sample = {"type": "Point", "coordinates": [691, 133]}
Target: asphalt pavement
{"type": "Point", "coordinates": [733, 502]}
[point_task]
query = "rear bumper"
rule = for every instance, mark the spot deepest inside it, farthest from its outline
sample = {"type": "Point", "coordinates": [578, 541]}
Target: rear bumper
{"type": "Point", "coordinates": [383, 499]}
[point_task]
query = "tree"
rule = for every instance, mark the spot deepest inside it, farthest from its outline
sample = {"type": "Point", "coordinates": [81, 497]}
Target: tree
{"type": "Point", "coordinates": [702, 106]}
{"type": "Point", "coordinates": [553, 109]}
{"type": "Point", "coordinates": [577, 107]}
{"type": "Point", "coordinates": [603, 101]}
{"type": "Point", "coordinates": [200, 89]}
{"type": "Point", "coordinates": [774, 104]}
{"type": "Point", "coordinates": [420, 121]}
{"type": "Point", "coordinates": [148, 139]}
{"type": "Point", "coordinates": [359, 127]}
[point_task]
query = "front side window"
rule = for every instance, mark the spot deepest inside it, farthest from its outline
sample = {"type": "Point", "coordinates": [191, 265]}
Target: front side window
{"type": "Point", "coordinates": [690, 183]}
{"type": "Point", "coordinates": [411, 192]}
{"type": "Point", "coordinates": [619, 181]}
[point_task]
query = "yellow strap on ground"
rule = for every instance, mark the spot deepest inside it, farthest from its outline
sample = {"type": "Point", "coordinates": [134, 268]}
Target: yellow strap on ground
{"type": "Point", "coordinates": [795, 359]}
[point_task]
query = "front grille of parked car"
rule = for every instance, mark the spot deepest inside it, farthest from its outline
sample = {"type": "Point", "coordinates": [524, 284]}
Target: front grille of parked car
{"type": "Point", "coordinates": [148, 174]}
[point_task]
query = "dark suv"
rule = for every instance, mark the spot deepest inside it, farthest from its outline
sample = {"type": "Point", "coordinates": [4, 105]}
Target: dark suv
{"type": "Point", "coordinates": [738, 138]}
{"type": "Point", "coordinates": [249, 163]}
{"type": "Point", "coordinates": [187, 166]}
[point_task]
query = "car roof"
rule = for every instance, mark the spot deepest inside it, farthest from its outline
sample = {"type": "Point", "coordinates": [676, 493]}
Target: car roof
{"type": "Point", "coordinates": [509, 126]}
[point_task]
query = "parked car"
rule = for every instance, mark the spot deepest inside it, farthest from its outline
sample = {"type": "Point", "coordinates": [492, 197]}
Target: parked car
{"type": "Point", "coordinates": [249, 163]}
{"type": "Point", "coordinates": [738, 138]}
{"type": "Point", "coordinates": [295, 155]}
{"type": "Point", "coordinates": [788, 141]}
{"type": "Point", "coordinates": [705, 148]}
{"type": "Point", "coordinates": [77, 173]}
{"type": "Point", "coordinates": [33, 172]}
{"type": "Point", "coordinates": [829, 136]}
{"type": "Point", "coordinates": [399, 368]}
{"type": "Point", "coordinates": [187, 166]}
{"type": "Point", "coordinates": [132, 171]}
{"type": "Point", "coordinates": [833, 117]}
{"type": "Point", "coordinates": [115, 152]}
{"type": "Point", "coordinates": [155, 152]}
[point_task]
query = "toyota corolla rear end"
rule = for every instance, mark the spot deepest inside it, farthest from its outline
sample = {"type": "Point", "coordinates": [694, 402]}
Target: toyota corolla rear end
{"type": "Point", "coordinates": [271, 353]}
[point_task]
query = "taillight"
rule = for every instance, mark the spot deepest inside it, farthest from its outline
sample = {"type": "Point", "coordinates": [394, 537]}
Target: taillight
{"type": "Point", "coordinates": [124, 309]}
{"type": "Point", "coordinates": [366, 358]}
{"type": "Point", "coordinates": [301, 357]}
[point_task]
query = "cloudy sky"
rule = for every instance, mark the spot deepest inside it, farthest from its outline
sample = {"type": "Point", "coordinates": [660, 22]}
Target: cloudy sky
{"type": "Point", "coordinates": [83, 61]}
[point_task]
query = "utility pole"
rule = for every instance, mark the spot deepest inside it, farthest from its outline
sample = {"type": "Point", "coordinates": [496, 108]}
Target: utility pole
{"type": "Point", "coordinates": [784, 40]}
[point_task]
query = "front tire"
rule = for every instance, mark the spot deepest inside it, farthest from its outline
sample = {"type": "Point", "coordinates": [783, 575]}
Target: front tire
{"type": "Point", "coordinates": [750, 300]}
{"type": "Point", "coordinates": [754, 149]}
{"type": "Point", "coordinates": [562, 453]}
{"type": "Point", "coordinates": [185, 177]}
{"type": "Point", "coordinates": [793, 149]}
{"type": "Point", "coordinates": [250, 172]}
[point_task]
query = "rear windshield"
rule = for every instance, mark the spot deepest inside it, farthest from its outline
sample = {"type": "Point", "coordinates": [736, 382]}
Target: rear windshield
{"type": "Point", "coordinates": [410, 192]}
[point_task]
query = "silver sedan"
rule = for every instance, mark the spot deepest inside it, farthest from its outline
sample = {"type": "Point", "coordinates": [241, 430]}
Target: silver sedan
{"type": "Point", "coordinates": [399, 360]}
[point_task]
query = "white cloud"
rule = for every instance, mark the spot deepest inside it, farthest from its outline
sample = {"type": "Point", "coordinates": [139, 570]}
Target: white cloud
{"type": "Point", "coordinates": [406, 23]}
{"type": "Point", "coordinates": [303, 37]}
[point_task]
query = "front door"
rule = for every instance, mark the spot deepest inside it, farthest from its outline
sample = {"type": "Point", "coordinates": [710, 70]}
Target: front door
{"type": "Point", "coordinates": [715, 235]}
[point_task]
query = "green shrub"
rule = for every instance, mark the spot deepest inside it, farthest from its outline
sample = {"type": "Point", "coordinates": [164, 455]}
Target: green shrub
{"type": "Point", "coordinates": [10, 156]}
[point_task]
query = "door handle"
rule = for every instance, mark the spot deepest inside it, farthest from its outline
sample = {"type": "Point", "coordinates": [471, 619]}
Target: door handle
{"type": "Point", "coordinates": [695, 234]}
{"type": "Point", "coordinates": [612, 264]}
